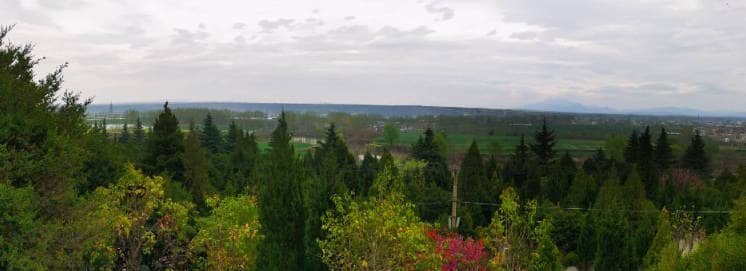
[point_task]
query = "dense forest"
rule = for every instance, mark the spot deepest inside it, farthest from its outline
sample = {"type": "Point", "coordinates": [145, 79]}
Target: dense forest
{"type": "Point", "coordinates": [75, 196]}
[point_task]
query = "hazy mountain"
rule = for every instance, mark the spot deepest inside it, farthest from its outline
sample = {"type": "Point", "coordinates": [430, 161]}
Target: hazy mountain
{"type": "Point", "coordinates": [561, 105]}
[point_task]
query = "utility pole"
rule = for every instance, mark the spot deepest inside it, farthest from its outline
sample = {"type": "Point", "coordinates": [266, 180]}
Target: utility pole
{"type": "Point", "coordinates": [453, 223]}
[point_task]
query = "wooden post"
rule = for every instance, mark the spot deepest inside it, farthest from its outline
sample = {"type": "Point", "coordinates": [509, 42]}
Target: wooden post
{"type": "Point", "coordinates": [454, 202]}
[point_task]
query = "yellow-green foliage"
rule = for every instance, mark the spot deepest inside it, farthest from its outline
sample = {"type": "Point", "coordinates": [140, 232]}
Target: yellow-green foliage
{"type": "Point", "coordinates": [663, 237]}
{"type": "Point", "coordinates": [377, 234]}
{"type": "Point", "coordinates": [722, 251]}
{"type": "Point", "coordinates": [129, 218]}
{"type": "Point", "coordinates": [517, 240]}
{"type": "Point", "coordinates": [230, 235]}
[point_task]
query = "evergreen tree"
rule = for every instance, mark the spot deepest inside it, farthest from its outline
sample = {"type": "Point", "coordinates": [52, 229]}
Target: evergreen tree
{"type": "Point", "coordinates": [640, 215]}
{"type": "Point", "coordinates": [547, 256]}
{"type": "Point", "coordinates": [645, 164]}
{"type": "Point", "coordinates": [560, 179]}
{"type": "Point", "coordinates": [196, 178]}
{"type": "Point", "coordinates": [124, 136]}
{"type": "Point", "coordinates": [492, 167]}
{"type": "Point", "coordinates": [663, 157]}
{"type": "Point", "coordinates": [598, 166]}
{"type": "Point", "coordinates": [102, 130]}
{"type": "Point", "coordinates": [387, 160]}
{"type": "Point", "coordinates": [210, 136]}
{"type": "Point", "coordinates": [426, 149]}
{"type": "Point", "coordinates": [281, 209]}
{"type": "Point", "coordinates": [582, 192]}
{"type": "Point", "coordinates": [474, 186]}
{"type": "Point", "coordinates": [645, 148]}
{"type": "Point", "coordinates": [165, 147]}
{"type": "Point", "coordinates": [614, 249]}
{"type": "Point", "coordinates": [543, 147]}
{"type": "Point", "coordinates": [243, 160]}
{"type": "Point", "coordinates": [234, 134]}
{"type": "Point", "coordinates": [342, 161]}
{"type": "Point", "coordinates": [516, 170]}
{"type": "Point", "coordinates": [139, 133]}
{"type": "Point", "coordinates": [695, 157]}
{"type": "Point", "coordinates": [663, 237]}
{"type": "Point", "coordinates": [368, 170]}
{"type": "Point", "coordinates": [631, 151]}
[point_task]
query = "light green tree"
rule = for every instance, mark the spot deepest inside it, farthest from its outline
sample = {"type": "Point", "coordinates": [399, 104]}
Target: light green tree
{"type": "Point", "coordinates": [391, 134]}
{"type": "Point", "coordinates": [381, 233]}
{"type": "Point", "coordinates": [229, 236]}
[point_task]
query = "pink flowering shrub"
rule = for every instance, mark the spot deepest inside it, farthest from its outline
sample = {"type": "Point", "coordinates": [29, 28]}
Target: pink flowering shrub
{"type": "Point", "coordinates": [458, 253]}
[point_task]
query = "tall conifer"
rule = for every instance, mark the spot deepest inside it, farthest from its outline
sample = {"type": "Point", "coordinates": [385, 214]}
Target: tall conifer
{"type": "Point", "coordinates": [695, 157]}
{"type": "Point", "coordinates": [124, 136]}
{"type": "Point", "coordinates": [165, 147]}
{"type": "Point", "coordinates": [210, 136]}
{"type": "Point", "coordinates": [663, 157]}
{"type": "Point", "coordinates": [543, 147]}
{"type": "Point", "coordinates": [281, 208]}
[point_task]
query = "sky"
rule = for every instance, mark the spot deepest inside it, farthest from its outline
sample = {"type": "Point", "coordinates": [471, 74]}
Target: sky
{"type": "Point", "coordinates": [493, 53]}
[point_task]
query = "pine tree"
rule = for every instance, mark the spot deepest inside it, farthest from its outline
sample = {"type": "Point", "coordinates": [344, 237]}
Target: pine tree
{"type": "Point", "coordinates": [368, 170]}
{"type": "Point", "coordinates": [543, 147]}
{"type": "Point", "coordinates": [387, 160]}
{"type": "Point", "coordinates": [645, 148]}
{"type": "Point", "coordinates": [243, 160]}
{"type": "Point", "coordinates": [165, 147]}
{"type": "Point", "coordinates": [516, 170]}
{"type": "Point", "coordinates": [645, 164]}
{"type": "Point", "coordinates": [663, 157]}
{"type": "Point", "coordinates": [561, 178]}
{"type": "Point", "coordinates": [695, 157]}
{"type": "Point", "coordinates": [631, 151]}
{"type": "Point", "coordinates": [474, 186]}
{"type": "Point", "coordinates": [234, 134]}
{"type": "Point", "coordinates": [124, 136]}
{"type": "Point", "coordinates": [139, 133]}
{"type": "Point", "coordinates": [641, 215]}
{"type": "Point", "coordinates": [582, 192]}
{"type": "Point", "coordinates": [343, 162]}
{"type": "Point", "coordinates": [426, 149]}
{"type": "Point", "coordinates": [614, 249]}
{"type": "Point", "coordinates": [598, 166]}
{"type": "Point", "coordinates": [663, 237]}
{"type": "Point", "coordinates": [210, 136]}
{"type": "Point", "coordinates": [281, 208]}
{"type": "Point", "coordinates": [196, 178]}
{"type": "Point", "coordinates": [102, 130]}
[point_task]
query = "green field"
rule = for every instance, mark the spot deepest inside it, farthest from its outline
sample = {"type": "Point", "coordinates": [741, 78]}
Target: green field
{"type": "Point", "coordinates": [299, 147]}
{"type": "Point", "coordinates": [503, 144]}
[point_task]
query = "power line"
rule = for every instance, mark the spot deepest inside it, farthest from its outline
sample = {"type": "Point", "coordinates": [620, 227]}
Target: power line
{"type": "Point", "coordinates": [494, 204]}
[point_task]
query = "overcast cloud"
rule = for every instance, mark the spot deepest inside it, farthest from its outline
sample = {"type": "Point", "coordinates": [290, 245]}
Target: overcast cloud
{"type": "Point", "coordinates": [624, 54]}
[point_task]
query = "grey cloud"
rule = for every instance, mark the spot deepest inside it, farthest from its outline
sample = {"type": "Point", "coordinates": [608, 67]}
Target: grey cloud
{"type": "Point", "coordinates": [269, 26]}
{"type": "Point", "coordinates": [239, 26]}
{"type": "Point", "coordinates": [528, 35]}
{"type": "Point", "coordinates": [349, 18]}
{"type": "Point", "coordinates": [186, 37]}
{"type": "Point", "coordinates": [62, 4]}
{"type": "Point", "coordinates": [445, 13]}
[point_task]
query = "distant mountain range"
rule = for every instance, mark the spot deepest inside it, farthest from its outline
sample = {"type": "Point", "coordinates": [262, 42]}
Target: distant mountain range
{"type": "Point", "coordinates": [561, 105]}
{"type": "Point", "coordinates": [552, 105]}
